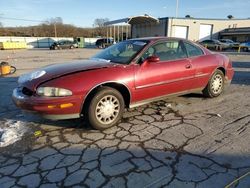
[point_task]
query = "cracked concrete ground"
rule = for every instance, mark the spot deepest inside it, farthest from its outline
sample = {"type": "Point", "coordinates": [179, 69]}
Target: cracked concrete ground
{"type": "Point", "coordinates": [186, 141]}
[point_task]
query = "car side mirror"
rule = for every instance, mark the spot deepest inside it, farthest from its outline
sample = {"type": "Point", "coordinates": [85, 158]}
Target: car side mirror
{"type": "Point", "coordinates": [152, 59]}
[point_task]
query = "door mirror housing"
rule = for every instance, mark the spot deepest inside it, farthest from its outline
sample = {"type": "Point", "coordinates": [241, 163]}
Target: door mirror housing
{"type": "Point", "coordinates": [152, 59]}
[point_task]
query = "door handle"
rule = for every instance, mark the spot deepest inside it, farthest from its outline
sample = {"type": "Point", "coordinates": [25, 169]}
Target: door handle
{"type": "Point", "coordinates": [188, 66]}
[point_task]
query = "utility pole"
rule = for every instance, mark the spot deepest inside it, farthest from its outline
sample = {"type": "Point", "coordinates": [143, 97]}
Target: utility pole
{"type": "Point", "coordinates": [55, 30]}
{"type": "Point", "coordinates": [177, 7]}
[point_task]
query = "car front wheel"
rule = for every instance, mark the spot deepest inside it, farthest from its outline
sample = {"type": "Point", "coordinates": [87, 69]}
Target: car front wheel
{"type": "Point", "coordinates": [215, 85]}
{"type": "Point", "coordinates": [106, 108]}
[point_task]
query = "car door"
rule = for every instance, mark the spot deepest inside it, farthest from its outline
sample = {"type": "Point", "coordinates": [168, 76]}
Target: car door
{"type": "Point", "coordinates": [172, 74]}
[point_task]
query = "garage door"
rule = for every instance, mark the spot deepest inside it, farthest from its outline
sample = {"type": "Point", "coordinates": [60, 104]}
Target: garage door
{"type": "Point", "coordinates": [181, 32]}
{"type": "Point", "coordinates": [205, 31]}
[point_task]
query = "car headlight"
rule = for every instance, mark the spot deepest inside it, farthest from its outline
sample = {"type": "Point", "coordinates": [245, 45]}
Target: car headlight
{"type": "Point", "coordinates": [31, 76]}
{"type": "Point", "coordinates": [53, 92]}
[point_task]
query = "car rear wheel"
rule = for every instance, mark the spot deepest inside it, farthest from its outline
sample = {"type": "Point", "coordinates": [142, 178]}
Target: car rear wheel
{"type": "Point", "coordinates": [215, 85]}
{"type": "Point", "coordinates": [106, 108]}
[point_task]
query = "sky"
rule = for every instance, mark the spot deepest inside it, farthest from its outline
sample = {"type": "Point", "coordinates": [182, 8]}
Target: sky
{"type": "Point", "coordinates": [82, 13]}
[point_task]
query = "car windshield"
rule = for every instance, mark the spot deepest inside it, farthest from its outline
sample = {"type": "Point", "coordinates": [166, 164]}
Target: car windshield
{"type": "Point", "coordinates": [122, 52]}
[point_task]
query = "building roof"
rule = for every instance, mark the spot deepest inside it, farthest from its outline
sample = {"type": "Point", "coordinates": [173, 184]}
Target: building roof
{"type": "Point", "coordinates": [142, 19]}
{"type": "Point", "coordinates": [134, 20]}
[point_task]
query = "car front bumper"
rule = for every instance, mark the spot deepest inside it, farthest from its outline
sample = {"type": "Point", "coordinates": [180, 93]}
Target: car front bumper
{"type": "Point", "coordinates": [55, 108]}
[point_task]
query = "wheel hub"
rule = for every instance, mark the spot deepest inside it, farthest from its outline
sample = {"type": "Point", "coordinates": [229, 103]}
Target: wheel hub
{"type": "Point", "coordinates": [216, 84]}
{"type": "Point", "coordinates": [107, 109]}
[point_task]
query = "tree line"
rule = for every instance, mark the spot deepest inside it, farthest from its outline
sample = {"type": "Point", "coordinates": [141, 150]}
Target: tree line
{"type": "Point", "coordinates": [55, 27]}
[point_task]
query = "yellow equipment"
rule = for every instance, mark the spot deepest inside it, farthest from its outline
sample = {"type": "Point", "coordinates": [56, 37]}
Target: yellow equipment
{"type": "Point", "coordinates": [6, 69]}
{"type": "Point", "coordinates": [8, 45]}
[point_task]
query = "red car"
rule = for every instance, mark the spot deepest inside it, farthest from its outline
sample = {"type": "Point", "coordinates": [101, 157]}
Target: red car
{"type": "Point", "coordinates": [127, 74]}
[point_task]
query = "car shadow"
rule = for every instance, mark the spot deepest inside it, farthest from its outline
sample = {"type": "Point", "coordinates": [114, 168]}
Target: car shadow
{"type": "Point", "coordinates": [241, 73]}
{"type": "Point", "coordinates": [241, 78]}
{"type": "Point", "coordinates": [238, 64]}
{"type": "Point", "coordinates": [194, 95]}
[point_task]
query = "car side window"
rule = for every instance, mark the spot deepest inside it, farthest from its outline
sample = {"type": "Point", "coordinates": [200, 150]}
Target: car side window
{"type": "Point", "coordinates": [166, 51]}
{"type": "Point", "coordinates": [169, 50]}
{"type": "Point", "coordinates": [192, 50]}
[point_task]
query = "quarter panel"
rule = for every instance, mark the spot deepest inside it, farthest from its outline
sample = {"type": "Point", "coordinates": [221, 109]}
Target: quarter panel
{"type": "Point", "coordinates": [204, 67]}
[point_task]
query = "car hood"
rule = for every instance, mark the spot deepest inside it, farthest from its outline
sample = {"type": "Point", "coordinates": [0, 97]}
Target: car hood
{"type": "Point", "coordinates": [58, 70]}
{"type": "Point", "coordinates": [68, 68]}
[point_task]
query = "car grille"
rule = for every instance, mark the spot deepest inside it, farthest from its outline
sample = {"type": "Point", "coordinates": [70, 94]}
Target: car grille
{"type": "Point", "coordinates": [27, 91]}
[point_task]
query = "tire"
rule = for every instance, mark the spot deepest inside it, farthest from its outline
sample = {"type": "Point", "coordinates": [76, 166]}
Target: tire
{"type": "Point", "coordinates": [71, 47]}
{"type": "Point", "coordinates": [100, 46]}
{"type": "Point", "coordinates": [215, 85]}
{"type": "Point", "coordinates": [110, 104]}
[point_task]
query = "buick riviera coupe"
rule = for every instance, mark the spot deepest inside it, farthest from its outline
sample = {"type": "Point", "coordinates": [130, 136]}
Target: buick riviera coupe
{"type": "Point", "coordinates": [127, 74]}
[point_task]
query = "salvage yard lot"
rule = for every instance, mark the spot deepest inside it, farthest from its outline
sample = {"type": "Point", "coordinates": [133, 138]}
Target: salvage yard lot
{"type": "Point", "coordinates": [186, 141]}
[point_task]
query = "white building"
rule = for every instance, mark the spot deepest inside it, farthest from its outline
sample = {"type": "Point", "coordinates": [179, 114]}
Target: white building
{"type": "Point", "coordinates": [194, 29]}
